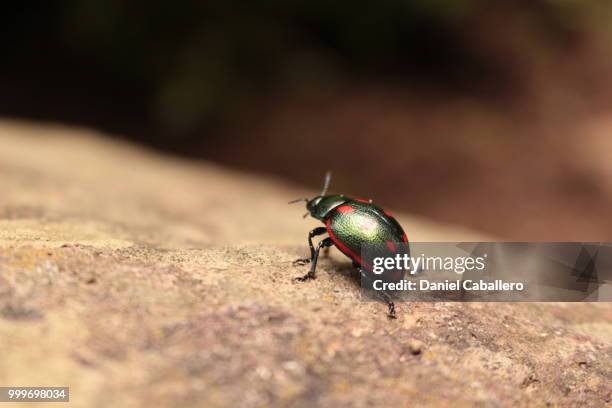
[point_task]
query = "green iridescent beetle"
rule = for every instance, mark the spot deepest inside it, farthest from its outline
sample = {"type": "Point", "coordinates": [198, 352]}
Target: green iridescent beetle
{"type": "Point", "coordinates": [351, 223]}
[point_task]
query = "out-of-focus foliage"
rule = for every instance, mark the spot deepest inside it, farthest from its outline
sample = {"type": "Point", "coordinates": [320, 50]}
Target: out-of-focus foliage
{"type": "Point", "coordinates": [204, 60]}
{"type": "Point", "coordinates": [206, 56]}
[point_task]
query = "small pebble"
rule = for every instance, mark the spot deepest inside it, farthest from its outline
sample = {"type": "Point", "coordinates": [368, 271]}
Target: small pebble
{"type": "Point", "coordinates": [415, 347]}
{"type": "Point", "coordinates": [357, 332]}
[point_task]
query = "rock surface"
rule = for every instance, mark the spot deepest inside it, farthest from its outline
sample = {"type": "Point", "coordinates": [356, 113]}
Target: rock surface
{"type": "Point", "coordinates": [142, 280]}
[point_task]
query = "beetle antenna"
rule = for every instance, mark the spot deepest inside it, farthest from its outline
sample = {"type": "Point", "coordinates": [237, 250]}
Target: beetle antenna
{"type": "Point", "coordinates": [326, 183]}
{"type": "Point", "coordinates": [306, 215]}
{"type": "Point", "coordinates": [299, 200]}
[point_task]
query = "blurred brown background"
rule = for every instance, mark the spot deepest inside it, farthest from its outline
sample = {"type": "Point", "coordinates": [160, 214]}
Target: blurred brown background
{"type": "Point", "coordinates": [494, 115]}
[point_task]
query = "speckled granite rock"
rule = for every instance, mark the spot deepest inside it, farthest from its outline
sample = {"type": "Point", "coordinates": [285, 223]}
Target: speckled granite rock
{"type": "Point", "coordinates": [142, 280]}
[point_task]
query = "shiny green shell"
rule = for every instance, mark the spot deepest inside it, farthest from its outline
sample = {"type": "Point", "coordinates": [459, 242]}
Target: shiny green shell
{"type": "Point", "coordinates": [351, 223]}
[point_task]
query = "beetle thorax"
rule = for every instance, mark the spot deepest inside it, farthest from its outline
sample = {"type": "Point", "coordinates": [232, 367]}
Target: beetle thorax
{"type": "Point", "coordinates": [320, 206]}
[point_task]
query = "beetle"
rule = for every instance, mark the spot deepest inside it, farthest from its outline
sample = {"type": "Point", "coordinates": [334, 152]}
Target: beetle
{"type": "Point", "coordinates": [350, 223]}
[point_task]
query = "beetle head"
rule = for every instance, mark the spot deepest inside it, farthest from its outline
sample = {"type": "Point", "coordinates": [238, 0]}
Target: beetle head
{"type": "Point", "coordinates": [319, 206]}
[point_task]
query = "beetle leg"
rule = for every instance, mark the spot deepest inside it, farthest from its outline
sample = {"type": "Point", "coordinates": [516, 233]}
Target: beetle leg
{"type": "Point", "coordinates": [311, 234]}
{"type": "Point", "coordinates": [391, 313]}
{"type": "Point", "coordinates": [327, 242]}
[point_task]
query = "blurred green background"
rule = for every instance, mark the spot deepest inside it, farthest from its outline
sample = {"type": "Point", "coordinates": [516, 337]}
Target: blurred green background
{"type": "Point", "coordinates": [487, 114]}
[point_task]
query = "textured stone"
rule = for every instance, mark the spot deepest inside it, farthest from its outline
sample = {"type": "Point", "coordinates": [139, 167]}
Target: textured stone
{"type": "Point", "coordinates": [143, 280]}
